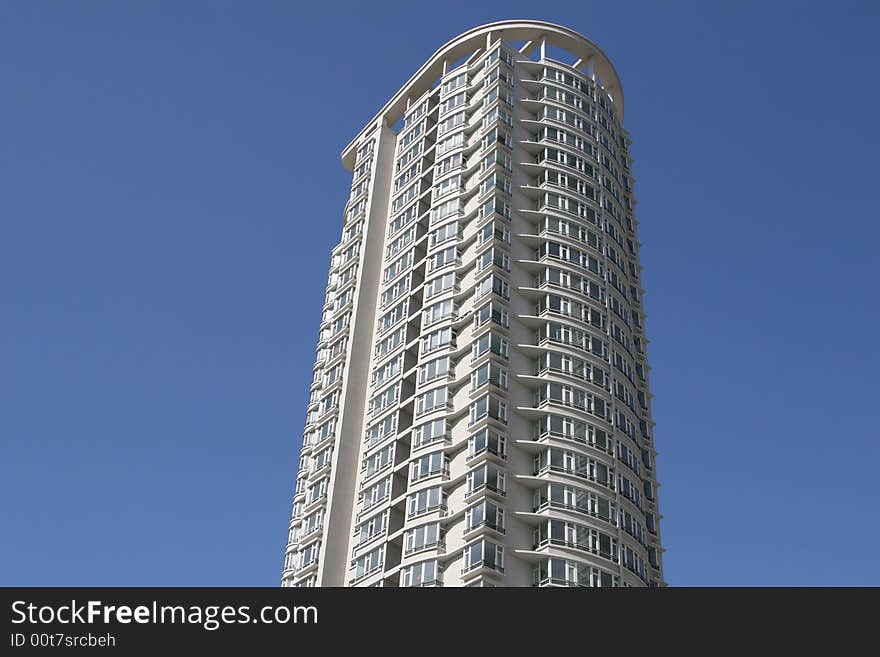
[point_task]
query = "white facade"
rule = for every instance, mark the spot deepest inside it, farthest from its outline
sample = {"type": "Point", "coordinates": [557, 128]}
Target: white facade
{"type": "Point", "coordinates": [480, 413]}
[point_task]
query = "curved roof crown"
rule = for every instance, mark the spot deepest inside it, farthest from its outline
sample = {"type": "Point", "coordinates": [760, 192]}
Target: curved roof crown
{"type": "Point", "coordinates": [535, 34]}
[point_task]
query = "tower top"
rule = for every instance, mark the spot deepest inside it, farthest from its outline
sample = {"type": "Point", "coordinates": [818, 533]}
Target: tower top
{"type": "Point", "coordinates": [534, 34]}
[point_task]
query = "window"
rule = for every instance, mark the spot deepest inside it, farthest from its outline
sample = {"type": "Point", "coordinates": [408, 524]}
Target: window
{"type": "Point", "coordinates": [400, 202]}
{"type": "Point", "coordinates": [434, 369]}
{"type": "Point", "coordinates": [576, 536]}
{"type": "Point", "coordinates": [500, 72]}
{"type": "Point", "coordinates": [565, 334]}
{"type": "Point", "coordinates": [454, 83]}
{"type": "Point", "coordinates": [492, 284]}
{"type": "Point", "coordinates": [425, 501]}
{"type": "Point", "coordinates": [497, 113]}
{"type": "Point", "coordinates": [564, 572]}
{"type": "Point", "coordinates": [444, 233]}
{"type": "Point", "coordinates": [321, 460]}
{"type": "Point", "coordinates": [312, 522]}
{"type": "Point", "coordinates": [377, 461]}
{"type": "Point", "coordinates": [376, 493]}
{"type": "Point", "coordinates": [365, 150]}
{"type": "Point", "coordinates": [629, 490]}
{"type": "Point", "coordinates": [430, 432]}
{"type": "Point", "coordinates": [428, 465]}
{"type": "Point", "coordinates": [499, 54]}
{"type": "Point", "coordinates": [329, 402]}
{"type": "Point", "coordinates": [488, 477]}
{"type": "Point", "coordinates": [485, 513]}
{"type": "Point", "coordinates": [483, 553]}
{"type": "Point", "coordinates": [388, 370]}
{"type": "Point", "coordinates": [414, 115]}
{"type": "Point", "coordinates": [446, 209]}
{"type": "Point", "coordinates": [431, 400]}
{"type": "Point", "coordinates": [632, 526]}
{"type": "Point", "coordinates": [337, 348]}
{"type": "Point", "coordinates": [401, 181]}
{"type": "Point", "coordinates": [317, 491]}
{"type": "Point", "coordinates": [369, 563]}
{"type": "Point", "coordinates": [448, 164]}
{"type": "Point", "coordinates": [439, 311]}
{"type": "Point", "coordinates": [381, 429]}
{"type": "Point", "coordinates": [424, 537]}
{"type": "Point", "coordinates": [309, 554]}
{"type": "Point", "coordinates": [384, 399]}
{"type": "Point", "coordinates": [393, 292]}
{"type": "Point", "coordinates": [348, 254]}
{"type": "Point", "coordinates": [629, 458]}
{"type": "Point", "coordinates": [355, 210]}
{"type": "Point", "coordinates": [408, 156]}
{"type": "Point", "coordinates": [632, 561]}
{"type": "Point", "coordinates": [344, 299]}
{"type": "Point", "coordinates": [486, 440]}
{"type": "Point", "coordinates": [426, 573]}
{"type": "Point", "coordinates": [406, 238]}
{"type": "Point", "coordinates": [569, 428]}
{"type": "Point", "coordinates": [488, 406]}
{"type": "Point", "coordinates": [332, 374]}
{"type": "Point", "coordinates": [494, 256]}
{"type": "Point", "coordinates": [451, 142]}
{"type": "Point", "coordinates": [559, 460]}
{"type": "Point", "coordinates": [574, 498]}
{"type": "Point", "coordinates": [347, 275]}
{"type": "Point", "coordinates": [438, 339]}
{"type": "Point", "coordinates": [651, 523]}
{"type": "Point", "coordinates": [572, 229]}
{"type": "Point", "coordinates": [493, 181]}
{"type": "Point", "coordinates": [496, 157]}
{"type": "Point", "coordinates": [494, 231]}
{"type": "Point", "coordinates": [410, 136]}
{"type": "Point", "coordinates": [495, 205]}
{"type": "Point", "coordinates": [440, 284]}
{"type": "Point", "coordinates": [492, 312]}
{"type": "Point", "coordinates": [442, 258]}
{"type": "Point", "coordinates": [442, 188]}
{"type": "Point", "coordinates": [452, 102]}
{"type": "Point", "coordinates": [393, 316]}
{"type": "Point", "coordinates": [339, 324]}
{"type": "Point", "coordinates": [490, 342]}
{"type": "Point", "coordinates": [489, 373]}
{"type": "Point", "coordinates": [391, 343]}
{"type": "Point", "coordinates": [452, 122]}
{"type": "Point", "coordinates": [371, 528]}
{"type": "Point", "coordinates": [572, 366]}
{"type": "Point", "coordinates": [570, 396]}
{"type": "Point", "coordinates": [496, 135]}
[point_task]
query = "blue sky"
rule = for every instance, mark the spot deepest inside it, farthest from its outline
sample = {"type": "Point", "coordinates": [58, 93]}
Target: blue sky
{"type": "Point", "coordinates": [170, 188]}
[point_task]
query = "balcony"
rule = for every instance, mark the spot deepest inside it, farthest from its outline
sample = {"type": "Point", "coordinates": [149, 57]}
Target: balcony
{"type": "Point", "coordinates": [581, 547]}
{"type": "Point", "coordinates": [439, 545]}
{"type": "Point", "coordinates": [556, 581]}
{"type": "Point", "coordinates": [485, 524]}
{"type": "Point", "coordinates": [483, 565]}
{"type": "Point", "coordinates": [418, 513]}
{"type": "Point", "coordinates": [444, 472]}
{"type": "Point", "coordinates": [573, 508]}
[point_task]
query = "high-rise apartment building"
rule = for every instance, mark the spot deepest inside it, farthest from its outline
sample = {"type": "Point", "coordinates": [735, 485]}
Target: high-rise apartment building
{"type": "Point", "coordinates": [479, 413]}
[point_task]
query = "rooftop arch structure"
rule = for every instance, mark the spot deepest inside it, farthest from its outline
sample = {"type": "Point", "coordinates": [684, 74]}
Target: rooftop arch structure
{"type": "Point", "coordinates": [534, 34]}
